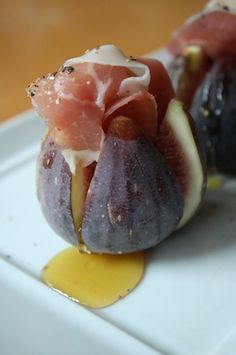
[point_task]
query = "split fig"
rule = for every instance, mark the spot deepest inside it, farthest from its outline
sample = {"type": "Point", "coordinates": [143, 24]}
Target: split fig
{"type": "Point", "coordinates": [136, 195]}
{"type": "Point", "coordinates": [122, 166]}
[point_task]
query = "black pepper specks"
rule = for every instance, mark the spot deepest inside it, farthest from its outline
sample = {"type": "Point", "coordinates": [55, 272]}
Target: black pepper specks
{"type": "Point", "coordinates": [225, 7]}
{"type": "Point", "coordinates": [68, 69]}
{"type": "Point", "coordinates": [131, 59]}
{"type": "Point", "coordinates": [32, 89]}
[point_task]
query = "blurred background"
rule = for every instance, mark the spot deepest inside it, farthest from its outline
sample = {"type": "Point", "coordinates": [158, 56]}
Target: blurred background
{"type": "Point", "coordinates": [37, 36]}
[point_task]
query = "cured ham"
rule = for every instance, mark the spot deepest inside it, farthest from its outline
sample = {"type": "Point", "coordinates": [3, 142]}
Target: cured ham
{"type": "Point", "coordinates": [213, 29]}
{"type": "Point", "coordinates": [79, 101]}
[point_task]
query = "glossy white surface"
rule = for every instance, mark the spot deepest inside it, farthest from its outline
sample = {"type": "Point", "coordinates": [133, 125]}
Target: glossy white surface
{"type": "Point", "coordinates": [185, 304]}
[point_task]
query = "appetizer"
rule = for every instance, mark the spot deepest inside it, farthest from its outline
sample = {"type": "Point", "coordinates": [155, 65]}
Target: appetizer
{"type": "Point", "coordinates": [201, 61]}
{"type": "Point", "coordinates": [121, 166]}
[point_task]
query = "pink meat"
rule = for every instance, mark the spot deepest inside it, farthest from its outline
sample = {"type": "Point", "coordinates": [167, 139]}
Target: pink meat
{"type": "Point", "coordinates": [141, 107]}
{"type": "Point", "coordinates": [214, 31]}
{"type": "Point", "coordinates": [78, 102]}
{"type": "Point", "coordinates": [160, 86]}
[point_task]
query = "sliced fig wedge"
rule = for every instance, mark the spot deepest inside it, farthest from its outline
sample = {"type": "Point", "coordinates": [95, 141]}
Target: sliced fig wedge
{"type": "Point", "coordinates": [61, 194]}
{"type": "Point", "coordinates": [179, 143]}
{"type": "Point", "coordinates": [134, 199]}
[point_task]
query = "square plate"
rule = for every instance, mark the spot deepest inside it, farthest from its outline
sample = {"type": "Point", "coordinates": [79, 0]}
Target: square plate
{"type": "Point", "coordinates": [185, 304]}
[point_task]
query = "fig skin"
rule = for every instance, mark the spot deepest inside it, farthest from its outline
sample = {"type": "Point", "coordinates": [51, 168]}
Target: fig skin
{"type": "Point", "coordinates": [61, 194]}
{"type": "Point", "coordinates": [54, 181]}
{"type": "Point", "coordinates": [213, 109]}
{"type": "Point", "coordinates": [134, 199]}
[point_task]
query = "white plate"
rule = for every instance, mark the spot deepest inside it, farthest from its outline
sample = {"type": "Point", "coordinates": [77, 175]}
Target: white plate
{"type": "Point", "coordinates": [186, 303]}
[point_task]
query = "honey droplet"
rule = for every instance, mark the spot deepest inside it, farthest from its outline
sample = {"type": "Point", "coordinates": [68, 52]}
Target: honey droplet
{"type": "Point", "coordinates": [94, 280]}
{"type": "Point", "coordinates": [215, 182]}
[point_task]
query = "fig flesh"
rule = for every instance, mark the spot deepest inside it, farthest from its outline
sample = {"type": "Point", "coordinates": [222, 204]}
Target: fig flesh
{"type": "Point", "coordinates": [182, 147]}
{"type": "Point", "coordinates": [134, 199]}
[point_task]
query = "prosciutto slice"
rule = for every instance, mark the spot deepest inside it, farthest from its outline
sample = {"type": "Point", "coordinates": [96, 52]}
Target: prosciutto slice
{"type": "Point", "coordinates": [213, 29]}
{"type": "Point", "coordinates": [80, 100]}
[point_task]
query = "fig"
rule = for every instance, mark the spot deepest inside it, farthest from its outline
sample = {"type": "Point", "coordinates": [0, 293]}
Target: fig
{"type": "Point", "coordinates": [134, 199]}
{"type": "Point", "coordinates": [135, 195]}
{"type": "Point", "coordinates": [121, 166]}
{"type": "Point", "coordinates": [213, 109]}
{"type": "Point", "coordinates": [208, 91]}
{"type": "Point", "coordinates": [200, 59]}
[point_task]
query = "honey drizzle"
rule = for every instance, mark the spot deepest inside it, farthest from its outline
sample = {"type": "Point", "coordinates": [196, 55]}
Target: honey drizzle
{"type": "Point", "coordinates": [94, 280]}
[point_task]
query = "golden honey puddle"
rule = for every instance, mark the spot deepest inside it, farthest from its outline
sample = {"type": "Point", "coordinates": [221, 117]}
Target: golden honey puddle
{"type": "Point", "coordinates": [94, 280]}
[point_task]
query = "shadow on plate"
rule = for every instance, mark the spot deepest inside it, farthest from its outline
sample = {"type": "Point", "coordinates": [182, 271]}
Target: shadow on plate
{"type": "Point", "coordinates": [212, 230]}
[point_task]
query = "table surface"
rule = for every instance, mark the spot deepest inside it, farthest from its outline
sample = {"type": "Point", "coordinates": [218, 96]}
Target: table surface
{"type": "Point", "coordinates": [37, 36]}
